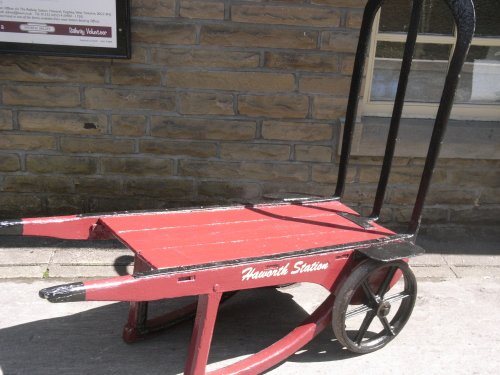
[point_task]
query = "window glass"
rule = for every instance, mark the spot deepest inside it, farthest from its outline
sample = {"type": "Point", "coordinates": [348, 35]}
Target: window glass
{"type": "Point", "coordinates": [426, 79]}
{"type": "Point", "coordinates": [436, 17]}
{"type": "Point", "coordinates": [479, 85]}
{"type": "Point", "coordinates": [480, 78]}
{"type": "Point", "coordinates": [488, 18]}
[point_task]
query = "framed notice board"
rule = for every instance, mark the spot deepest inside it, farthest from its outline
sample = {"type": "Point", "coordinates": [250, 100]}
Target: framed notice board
{"type": "Point", "coordinates": [98, 28]}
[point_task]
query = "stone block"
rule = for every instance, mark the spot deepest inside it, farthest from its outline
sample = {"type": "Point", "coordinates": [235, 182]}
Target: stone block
{"type": "Point", "coordinates": [274, 106]}
{"type": "Point", "coordinates": [331, 85]}
{"type": "Point", "coordinates": [163, 32]}
{"type": "Point", "coordinates": [285, 15]}
{"type": "Point", "coordinates": [178, 148]}
{"type": "Point", "coordinates": [232, 81]}
{"type": "Point", "coordinates": [9, 163]}
{"type": "Point", "coordinates": [490, 196]}
{"type": "Point", "coordinates": [135, 76]}
{"type": "Point", "coordinates": [37, 184]}
{"type": "Point", "coordinates": [336, 41]}
{"type": "Point", "coordinates": [202, 9]}
{"type": "Point", "coordinates": [96, 145]}
{"type": "Point", "coordinates": [295, 61]}
{"type": "Point", "coordinates": [203, 103]}
{"type": "Point", "coordinates": [204, 58]}
{"type": "Point", "coordinates": [129, 126]}
{"type": "Point", "coordinates": [331, 108]}
{"type": "Point", "coordinates": [138, 166]}
{"type": "Point", "coordinates": [202, 129]}
{"type": "Point", "coordinates": [246, 170]}
{"type": "Point", "coordinates": [341, 3]}
{"type": "Point", "coordinates": [474, 177]}
{"type": "Point", "coordinates": [252, 36]}
{"type": "Point", "coordinates": [42, 70]}
{"type": "Point", "coordinates": [42, 96]}
{"type": "Point", "coordinates": [66, 204]}
{"type": "Point", "coordinates": [27, 142]}
{"type": "Point", "coordinates": [153, 8]}
{"type": "Point", "coordinates": [102, 186]}
{"type": "Point", "coordinates": [297, 131]}
{"type": "Point", "coordinates": [347, 65]}
{"type": "Point", "coordinates": [228, 190]}
{"type": "Point", "coordinates": [354, 18]}
{"type": "Point", "coordinates": [244, 151]}
{"type": "Point", "coordinates": [62, 122]}
{"type": "Point", "coordinates": [5, 119]}
{"type": "Point", "coordinates": [313, 153]}
{"type": "Point", "coordinates": [129, 99]}
{"type": "Point", "coordinates": [485, 215]}
{"type": "Point", "coordinates": [164, 188]}
{"type": "Point", "coordinates": [61, 164]}
{"type": "Point", "coordinates": [18, 205]}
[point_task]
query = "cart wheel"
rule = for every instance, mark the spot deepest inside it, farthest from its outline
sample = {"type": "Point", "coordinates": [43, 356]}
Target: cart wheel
{"type": "Point", "coordinates": [365, 315]}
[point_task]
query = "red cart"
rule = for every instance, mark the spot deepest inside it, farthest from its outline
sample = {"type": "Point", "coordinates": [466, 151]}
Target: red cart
{"type": "Point", "coordinates": [213, 252]}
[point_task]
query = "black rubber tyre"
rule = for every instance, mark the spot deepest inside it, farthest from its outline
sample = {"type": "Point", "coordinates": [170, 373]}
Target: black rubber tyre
{"type": "Point", "coordinates": [364, 297]}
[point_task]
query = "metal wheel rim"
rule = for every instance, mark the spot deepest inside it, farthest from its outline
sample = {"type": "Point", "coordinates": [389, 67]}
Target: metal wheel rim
{"type": "Point", "coordinates": [357, 340]}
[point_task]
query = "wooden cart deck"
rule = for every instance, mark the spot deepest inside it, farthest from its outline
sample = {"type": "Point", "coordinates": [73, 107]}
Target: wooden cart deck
{"type": "Point", "coordinates": [186, 238]}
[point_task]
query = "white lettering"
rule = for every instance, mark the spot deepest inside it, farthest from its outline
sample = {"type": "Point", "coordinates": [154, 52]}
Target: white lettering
{"type": "Point", "coordinates": [303, 267]}
{"type": "Point", "coordinates": [74, 30]}
{"type": "Point", "coordinates": [91, 31]}
{"type": "Point", "coordinates": [251, 273]}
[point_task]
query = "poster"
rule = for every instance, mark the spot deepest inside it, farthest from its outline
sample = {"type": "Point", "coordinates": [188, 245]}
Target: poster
{"type": "Point", "coordinates": [92, 24]}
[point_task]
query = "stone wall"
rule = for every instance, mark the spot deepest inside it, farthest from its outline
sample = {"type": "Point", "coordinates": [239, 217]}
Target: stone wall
{"type": "Point", "coordinates": [222, 101]}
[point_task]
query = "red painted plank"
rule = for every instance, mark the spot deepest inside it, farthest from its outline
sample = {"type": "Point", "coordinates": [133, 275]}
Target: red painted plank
{"type": "Point", "coordinates": [65, 227]}
{"type": "Point", "coordinates": [197, 237]}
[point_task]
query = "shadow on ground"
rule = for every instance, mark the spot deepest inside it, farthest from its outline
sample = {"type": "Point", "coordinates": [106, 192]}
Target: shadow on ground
{"type": "Point", "coordinates": [90, 342]}
{"type": "Point", "coordinates": [464, 240]}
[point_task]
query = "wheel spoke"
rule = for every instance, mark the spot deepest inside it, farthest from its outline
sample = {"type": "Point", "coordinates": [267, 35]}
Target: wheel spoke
{"type": "Point", "coordinates": [387, 326]}
{"type": "Point", "coordinates": [364, 327]}
{"type": "Point", "coordinates": [373, 299]}
{"type": "Point", "coordinates": [384, 287]}
{"type": "Point", "coordinates": [397, 297]}
{"type": "Point", "coordinates": [358, 310]}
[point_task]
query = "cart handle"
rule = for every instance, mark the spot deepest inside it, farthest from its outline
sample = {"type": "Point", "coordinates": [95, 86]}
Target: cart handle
{"type": "Point", "coordinates": [464, 15]}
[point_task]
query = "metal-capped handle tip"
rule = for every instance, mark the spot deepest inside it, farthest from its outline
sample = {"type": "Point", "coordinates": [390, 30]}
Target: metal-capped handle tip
{"type": "Point", "coordinates": [74, 292]}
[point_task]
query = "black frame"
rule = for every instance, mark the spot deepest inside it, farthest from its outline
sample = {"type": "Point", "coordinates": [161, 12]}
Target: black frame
{"type": "Point", "coordinates": [465, 20]}
{"type": "Point", "coordinates": [122, 51]}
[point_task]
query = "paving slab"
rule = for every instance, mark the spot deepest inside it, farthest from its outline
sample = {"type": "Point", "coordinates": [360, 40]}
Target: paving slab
{"type": "Point", "coordinates": [428, 260]}
{"type": "Point", "coordinates": [23, 256]}
{"type": "Point", "coordinates": [92, 256]}
{"type": "Point", "coordinates": [472, 260]}
{"type": "Point", "coordinates": [433, 272]}
{"type": "Point", "coordinates": [83, 271]}
{"type": "Point", "coordinates": [23, 271]}
{"type": "Point", "coordinates": [481, 272]}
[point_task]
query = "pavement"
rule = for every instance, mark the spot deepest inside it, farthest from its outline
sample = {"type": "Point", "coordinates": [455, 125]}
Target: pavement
{"type": "Point", "coordinates": [455, 326]}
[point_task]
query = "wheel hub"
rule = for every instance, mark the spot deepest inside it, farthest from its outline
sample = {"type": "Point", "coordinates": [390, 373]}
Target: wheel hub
{"type": "Point", "coordinates": [384, 309]}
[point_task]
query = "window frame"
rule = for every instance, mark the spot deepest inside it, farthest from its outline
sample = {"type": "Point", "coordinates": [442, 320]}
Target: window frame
{"type": "Point", "coordinates": [481, 112]}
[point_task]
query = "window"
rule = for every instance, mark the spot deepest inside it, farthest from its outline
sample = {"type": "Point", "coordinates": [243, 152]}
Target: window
{"type": "Point", "coordinates": [478, 94]}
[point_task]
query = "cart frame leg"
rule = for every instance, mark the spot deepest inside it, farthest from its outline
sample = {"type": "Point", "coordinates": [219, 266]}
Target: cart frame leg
{"type": "Point", "coordinates": [139, 326]}
{"type": "Point", "coordinates": [199, 349]}
{"type": "Point", "coordinates": [135, 328]}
